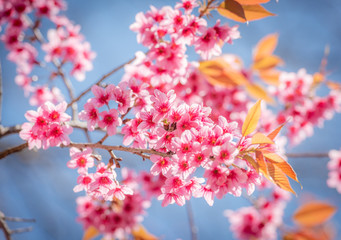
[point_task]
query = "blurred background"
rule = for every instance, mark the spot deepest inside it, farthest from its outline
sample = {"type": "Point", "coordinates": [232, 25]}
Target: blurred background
{"type": "Point", "coordinates": [39, 185]}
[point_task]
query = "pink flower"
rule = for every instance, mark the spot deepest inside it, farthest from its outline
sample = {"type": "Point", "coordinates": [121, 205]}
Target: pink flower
{"type": "Point", "coordinates": [110, 120]}
{"type": "Point", "coordinates": [102, 96]}
{"type": "Point", "coordinates": [90, 114]}
{"type": "Point", "coordinates": [161, 165]}
{"type": "Point", "coordinates": [81, 159]}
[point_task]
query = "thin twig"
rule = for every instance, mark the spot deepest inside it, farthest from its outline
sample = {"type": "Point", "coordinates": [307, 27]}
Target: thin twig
{"type": "Point", "coordinates": [0, 94]}
{"type": "Point", "coordinates": [58, 65]}
{"type": "Point", "coordinates": [13, 150]}
{"type": "Point", "coordinates": [137, 151]}
{"type": "Point", "coordinates": [4, 227]}
{"type": "Point", "coordinates": [193, 228]}
{"type": "Point", "coordinates": [16, 219]}
{"type": "Point", "coordinates": [21, 230]}
{"type": "Point", "coordinates": [9, 130]}
{"type": "Point", "coordinates": [307, 155]}
{"type": "Point", "coordinates": [100, 81]}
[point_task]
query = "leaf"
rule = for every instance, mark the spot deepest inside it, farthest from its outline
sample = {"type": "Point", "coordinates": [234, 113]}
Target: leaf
{"type": "Point", "coordinates": [252, 118]}
{"type": "Point", "coordinates": [314, 213]}
{"type": "Point", "coordinates": [260, 138]}
{"type": "Point", "coordinates": [256, 91]}
{"type": "Point", "coordinates": [267, 62]}
{"type": "Point", "coordinates": [275, 132]}
{"type": "Point", "coordinates": [334, 85]}
{"type": "Point", "coordinates": [288, 170]}
{"type": "Point", "coordinates": [250, 12]}
{"type": "Point", "coordinates": [273, 157]}
{"type": "Point", "coordinates": [252, 2]}
{"type": "Point", "coordinates": [279, 177]}
{"type": "Point", "coordinates": [254, 164]}
{"type": "Point", "coordinates": [90, 233]}
{"type": "Point", "coordinates": [235, 8]}
{"type": "Point", "coordinates": [262, 164]}
{"type": "Point", "coordinates": [270, 76]}
{"type": "Point", "coordinates": [142, 234]}
{"type": "Point", "coordinates": [265, 47]}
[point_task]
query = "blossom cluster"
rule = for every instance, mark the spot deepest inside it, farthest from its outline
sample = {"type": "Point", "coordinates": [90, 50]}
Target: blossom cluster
{"type": "Point", "coordinates": [64, 45]}
{"type": "Point", "coordinates": [167, 33]}
{"type": "Point", "coordinates": [296, 92]}
{"type": "Point", "coordinates": [194, 141]}
{"type": "Point", "coordinates": [119, 217]}
{"type": "Point", "coordinates": [101, 184]}
{"type": "Point", "coordinates": [334, 166]}
{"type": "Point", "coordinates": [47, 127]}
{"type": "Point", "coordinates": [120, 95]}
{"type": "Point", "coordinates": [261, 220]}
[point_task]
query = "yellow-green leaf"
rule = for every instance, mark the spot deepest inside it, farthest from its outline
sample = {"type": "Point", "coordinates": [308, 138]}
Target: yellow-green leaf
{"type": "Point", "coordinates": [260, 138]}
{"type": "Point", "coordinates": [252, 118]}
{"type": "Point", "coordinates": [314, 213]}
{"type": "Point", "coordinates": [90, 233]}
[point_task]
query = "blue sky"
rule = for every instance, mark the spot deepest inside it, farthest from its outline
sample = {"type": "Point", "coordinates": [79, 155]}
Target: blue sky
{"type": "Point", "coordinates": [39, 185]}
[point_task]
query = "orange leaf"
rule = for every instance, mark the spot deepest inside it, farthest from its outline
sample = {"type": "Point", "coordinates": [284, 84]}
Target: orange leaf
{"type": "Point", "coordinates": [267, 62]}
{"type": "Point", "coordinates": [279, 178]}
{"type": "Point", "coordinates": [260, 138]}
{"type": "Point", "coordinates": [273, 157]}
{"type": "Point", "coordinates": [262, 164]}
{"type": "Point", "coordinates": [142, 234]}
{"type": "Point", "coordinates": [288, 170]}
{"type": "Point", "coordinates": [90, 233]}
{"type": "Point", "coordinates": [334, 85]}
{"type": "Point", "coordinates": [314, 213]}
{"type": "Point", "coordinates": [270, 76]}
{"type": "Point", "coordinates": [254, 164]}
{"type": "Point", "coordinates": [275, 132]}
{"type": "Point", "coordinates": [258, 92]}
{"type": "Point", "coordinates": [252, 118]}
{"type": "Point", "coordinates": [234, 9]}
{"type": "Point", "coordinates": [219, 73]}
{"type": "Point", "coordinates": [265, 47]}
{"type": "Point", "coordinates": [251, 12]}
{"type": "Point", "coordinates": [252, 2]}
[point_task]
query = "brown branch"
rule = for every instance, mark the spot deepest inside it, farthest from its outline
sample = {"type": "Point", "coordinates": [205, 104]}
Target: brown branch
{"type": "Point", "coordinates": [100, 81]}
{"type": "Point", "coordinates": [16, 219]}
{"type": "Point", "coordinates": [58, 65]}
{"type": "Point", "coordinates": [0, 94]}
{"type": "Point", "coordinates": [4, 227]}
{"type": "Point", "coordinates": [193, 228]}
{"type": "Point", "coordinates": [307, 155]}
{"type": "Point", "coordinates": [9, 130]}
{"type": "Point", "coordinates": [11, 150]}
{"type": "Point", "coordinates": [136, 151]}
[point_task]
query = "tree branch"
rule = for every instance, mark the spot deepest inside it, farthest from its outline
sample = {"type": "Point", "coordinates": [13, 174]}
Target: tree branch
{"type": "Point", "coordinates": [15, 149]}
{"type": "Point", "coordinates": [192, 226]}
{"type": "Point", "coordinates": [307, 155]}
{"type": "Point", "coordinates": [136, 151]}
{"type": "Point", "coordinates": [100, 81]}
{"type": "Point", "coordinates": [0, 94]}
{"type": "Point", "coordinates": [4, 227]}
{"type": "Point", "coordinates": [58, 65]}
